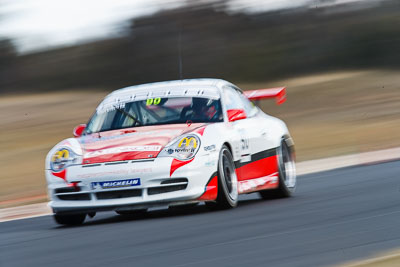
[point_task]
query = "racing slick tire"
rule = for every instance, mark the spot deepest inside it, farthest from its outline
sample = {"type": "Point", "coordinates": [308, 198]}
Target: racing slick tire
{"type": "Point", "coordinates": [70, 219]}
{"type": "Point", "coordinates": [287, 174]}
{"type": "Point", "coordinates": [227, 182]}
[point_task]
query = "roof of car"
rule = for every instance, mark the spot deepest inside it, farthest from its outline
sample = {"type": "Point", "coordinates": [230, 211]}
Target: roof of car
{"type": "Point", "coordinates": [202, 82]}
{"type": "Point", "coordinates": [209, 88]}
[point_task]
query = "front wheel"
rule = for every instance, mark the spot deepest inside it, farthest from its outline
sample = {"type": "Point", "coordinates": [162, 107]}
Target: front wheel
{"type": "Point", "coordinates": [287, 174]}
{"type": "Point", "coordinates": [70, 219]}
{"type": "Point", "coordinates": [227, 182]}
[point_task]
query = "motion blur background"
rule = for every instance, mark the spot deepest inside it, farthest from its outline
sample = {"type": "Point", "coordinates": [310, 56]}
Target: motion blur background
{"type": "Point", "coordinates": [340, 60]}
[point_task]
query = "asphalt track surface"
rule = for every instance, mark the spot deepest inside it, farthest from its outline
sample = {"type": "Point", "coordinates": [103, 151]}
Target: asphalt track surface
{"type": "Point", "coordinates": [335, 216]}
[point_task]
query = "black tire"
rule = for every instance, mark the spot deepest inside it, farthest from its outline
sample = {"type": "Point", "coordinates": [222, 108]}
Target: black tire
{"type": "Point", "coordinates": [139, 212]}
{"type": "Point", "coordinates": [287, 174]}
{"type": "Point", "coordinates": [227, 182]}
{"type": "Point", "coordinates": [70, 219]}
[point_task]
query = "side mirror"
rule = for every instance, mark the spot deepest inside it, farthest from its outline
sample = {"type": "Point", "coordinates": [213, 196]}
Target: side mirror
{"type": "Point", "coordinates": [236, 114]}
{"type": "Point", "coordinates": [78, 130]}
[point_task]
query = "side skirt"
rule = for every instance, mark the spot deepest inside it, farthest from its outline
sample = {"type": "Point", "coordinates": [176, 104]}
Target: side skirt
{"type": "Point", "coordinates": [262, 183]}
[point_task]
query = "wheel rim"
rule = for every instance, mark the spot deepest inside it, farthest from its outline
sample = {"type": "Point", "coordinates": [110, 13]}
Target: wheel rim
{"type": "Point", "coordinates": [288, 168]}
{"type": "Point", "coordinates": [229, 176]}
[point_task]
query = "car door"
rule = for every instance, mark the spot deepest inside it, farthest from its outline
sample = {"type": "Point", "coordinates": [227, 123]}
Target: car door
{"type": "Point", "coordinates": [248, 138]}
{"type": "Point", "coordinates": [257, 156]}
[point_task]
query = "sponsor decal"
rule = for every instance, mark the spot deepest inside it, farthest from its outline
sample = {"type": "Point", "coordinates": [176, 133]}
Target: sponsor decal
{"type": "Point", "coordinates": [94, 138]}
{"type": "Point", "coordinates": [60, 155]}
{"type": "Point", "coordinates": [210, 148]}
{"type": "Point", "coordinates": [186, 145]}
{"type": "Point", "coordinates": [62, 158]}
{"type": "Point", "coordinates": [181, 150]}
{"type": "Point", "coordinates": [115, 172]}
{"type": "Point", "coordinates": [121, 149]}
{"type": "Point", "coordinates": [115, 184]}
{"type": "Point", "coordinates": [188, 141]}
{"type": "Point", "coordinates": [119, 105]}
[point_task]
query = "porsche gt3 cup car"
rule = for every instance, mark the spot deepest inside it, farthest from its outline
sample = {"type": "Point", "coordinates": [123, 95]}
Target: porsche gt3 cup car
{"type": "Point", "coordinates": [171, 143]}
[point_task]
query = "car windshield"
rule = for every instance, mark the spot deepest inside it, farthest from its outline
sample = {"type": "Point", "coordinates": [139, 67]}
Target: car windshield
{"type": "Point", "coordinates": [155, 111]}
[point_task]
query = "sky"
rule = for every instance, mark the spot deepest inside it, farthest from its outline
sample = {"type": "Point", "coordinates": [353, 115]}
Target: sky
{"type": "Point", "coordinates": [37, 24]}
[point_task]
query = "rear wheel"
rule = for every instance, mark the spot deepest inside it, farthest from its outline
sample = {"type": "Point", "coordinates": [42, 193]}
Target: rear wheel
{"type": "Point", "coordinates": [287, 174]}
{"type": "Point", "coordinates": [227, 182]}
{"type": "Point", "coordinates": [70, 219]}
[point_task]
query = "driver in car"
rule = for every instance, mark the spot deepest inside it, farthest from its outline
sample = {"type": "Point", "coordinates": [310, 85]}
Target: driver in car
{"type": "Point", "coordinates": [202, 110]}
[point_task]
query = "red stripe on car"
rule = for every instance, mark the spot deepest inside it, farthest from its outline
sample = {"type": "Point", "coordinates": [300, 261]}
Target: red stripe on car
{"type": "Point", "coordinates": [211, 192]}
{"type": "Point", "coordinates": [176, 163]}
{"type": "Point", "coordinates": [62, 174]}
{"type": "Point", "coordinates": [259, 168]}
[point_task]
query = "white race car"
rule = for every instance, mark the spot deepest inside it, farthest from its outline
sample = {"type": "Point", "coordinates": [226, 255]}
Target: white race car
{"type": "Point", "coordinates": [168, 144]}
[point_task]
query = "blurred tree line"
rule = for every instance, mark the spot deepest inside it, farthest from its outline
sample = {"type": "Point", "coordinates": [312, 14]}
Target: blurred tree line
{"type": "Point", "coordinates": [214, 43]}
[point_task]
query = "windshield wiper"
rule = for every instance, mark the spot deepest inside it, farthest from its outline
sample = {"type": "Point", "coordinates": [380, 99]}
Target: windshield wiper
{"type": "Point", "coordinates": [136, 121]}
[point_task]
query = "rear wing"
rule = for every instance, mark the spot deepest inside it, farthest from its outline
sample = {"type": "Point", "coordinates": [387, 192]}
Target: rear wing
{"type": "Point", "coordinates": [279, 93]}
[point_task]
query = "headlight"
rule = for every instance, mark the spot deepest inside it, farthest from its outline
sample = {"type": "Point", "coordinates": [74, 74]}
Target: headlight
{"type": "Point", "coordinates": [182, 148]}
{"type": "Point", "coordinates": [62, 158]}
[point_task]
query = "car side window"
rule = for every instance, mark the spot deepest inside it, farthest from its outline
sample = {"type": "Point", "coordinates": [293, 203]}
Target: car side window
{"type": "Point", "coordinates": [249, 107]}
{"type": "Point", "coordinates": [237, 100]}
{"type": "Point", "coordinates": [232, 99]}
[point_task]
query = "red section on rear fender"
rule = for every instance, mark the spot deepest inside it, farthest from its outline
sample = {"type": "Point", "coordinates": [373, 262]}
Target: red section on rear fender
{"type": "Point", "coordinates": [258, 175]}
{"type": "Point", "coordinates": [259, 168]}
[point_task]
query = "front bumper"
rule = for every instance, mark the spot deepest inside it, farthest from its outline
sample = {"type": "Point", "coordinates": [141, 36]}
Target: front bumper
{"type": "Point", "coordinates": [76, 193]}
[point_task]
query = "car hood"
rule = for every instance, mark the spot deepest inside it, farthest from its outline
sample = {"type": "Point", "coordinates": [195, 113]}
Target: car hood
{"type": "Point", "coordinates": [144, 142]}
